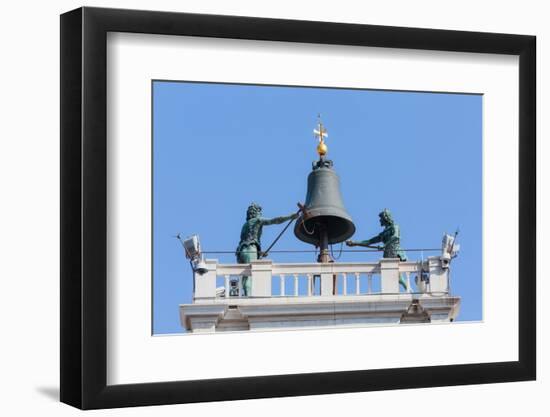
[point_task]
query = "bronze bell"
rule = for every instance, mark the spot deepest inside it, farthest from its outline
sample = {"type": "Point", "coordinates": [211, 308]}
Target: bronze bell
{"type": "Point", "coordinates": [325, 220]}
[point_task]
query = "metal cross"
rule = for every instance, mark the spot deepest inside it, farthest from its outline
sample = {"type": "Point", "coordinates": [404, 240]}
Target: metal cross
{"type": "Point", "coordinates": [320, 132]}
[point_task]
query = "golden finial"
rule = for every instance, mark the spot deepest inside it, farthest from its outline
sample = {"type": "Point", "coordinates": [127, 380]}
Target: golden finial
{"type": "Point", "coordinates": [321, 134]}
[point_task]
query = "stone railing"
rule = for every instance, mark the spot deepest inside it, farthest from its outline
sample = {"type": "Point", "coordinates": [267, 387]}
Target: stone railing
{"type": "Point", "coordinates": [317, 279]}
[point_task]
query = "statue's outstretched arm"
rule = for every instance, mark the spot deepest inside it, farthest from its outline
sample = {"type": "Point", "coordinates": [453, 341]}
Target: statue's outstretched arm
{"type": "Point", "coordinates": [278, 220]}
{"type": "Point", "coordinates": [368, 242]}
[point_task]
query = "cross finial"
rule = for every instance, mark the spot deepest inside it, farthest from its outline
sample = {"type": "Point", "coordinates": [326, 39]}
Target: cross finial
{"type": "Point", "coordinates": [321, 134]}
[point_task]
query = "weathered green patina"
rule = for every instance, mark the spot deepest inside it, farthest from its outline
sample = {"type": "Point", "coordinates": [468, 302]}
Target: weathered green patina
{"type": "Point", "coordinates": [389, 237]}
{"type": "Point", "coordinates": [249, 248]}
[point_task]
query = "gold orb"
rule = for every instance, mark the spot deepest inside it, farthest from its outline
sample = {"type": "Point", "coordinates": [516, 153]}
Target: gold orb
{"type": "Point", "coordinates": [322, 149]}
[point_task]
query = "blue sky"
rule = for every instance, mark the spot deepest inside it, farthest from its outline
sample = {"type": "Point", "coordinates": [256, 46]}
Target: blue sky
{"type": "Point", "coordinates": [218, 147]}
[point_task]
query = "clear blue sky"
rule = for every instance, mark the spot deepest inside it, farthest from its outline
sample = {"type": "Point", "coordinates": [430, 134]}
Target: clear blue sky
{"type": "Point", "coordinates": [218, 147]}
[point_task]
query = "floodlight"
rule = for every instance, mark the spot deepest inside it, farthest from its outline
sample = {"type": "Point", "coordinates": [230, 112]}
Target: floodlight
{"type": "Point", "coordinates": [192, 247]}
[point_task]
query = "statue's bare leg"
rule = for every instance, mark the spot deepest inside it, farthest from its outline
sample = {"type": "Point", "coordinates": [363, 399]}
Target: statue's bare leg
{"type": "Point", "coordinates": [248, 254]}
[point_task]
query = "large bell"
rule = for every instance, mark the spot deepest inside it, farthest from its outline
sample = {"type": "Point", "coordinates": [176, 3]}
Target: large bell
{"type": "Point", "coordinates": [326, 220]}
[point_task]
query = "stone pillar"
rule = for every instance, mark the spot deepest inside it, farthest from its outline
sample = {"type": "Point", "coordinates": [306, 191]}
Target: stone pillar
{"type": "Point", "coordinates": [439, 277]}
{"type": "Point", "coordinates": [327, 284]}
{"type": "Point", "coordinates": [389, 274]}
{"type": "Point", "coordinates": [205, 284]}
{"type": "Point", "coordinates": [261, 278]}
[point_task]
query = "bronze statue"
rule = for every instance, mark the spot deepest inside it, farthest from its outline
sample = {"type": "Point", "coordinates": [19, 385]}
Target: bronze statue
{"type": "Point", "coordinates": [249, 248]}
{"type": "Point", "coordinates": [389, 237]}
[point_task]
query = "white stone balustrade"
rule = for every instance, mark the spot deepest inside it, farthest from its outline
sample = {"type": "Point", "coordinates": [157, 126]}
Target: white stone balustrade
{"type": "Point", "coordinates": [290, 275]}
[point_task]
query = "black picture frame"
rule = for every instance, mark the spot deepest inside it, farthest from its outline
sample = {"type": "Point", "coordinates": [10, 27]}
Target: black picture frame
{"type": "Point", "coordinates": [84, 207]}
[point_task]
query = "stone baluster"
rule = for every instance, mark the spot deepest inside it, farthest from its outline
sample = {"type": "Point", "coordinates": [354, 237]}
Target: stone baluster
{"type": "Point", "coordinates": [227, 285]}
{"type": "Point", "coordinates": [240, 286]}
{"type": "Point", "coordinates": [369, 283]}
{"type": "Point", "coordinates": [345, 284]}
